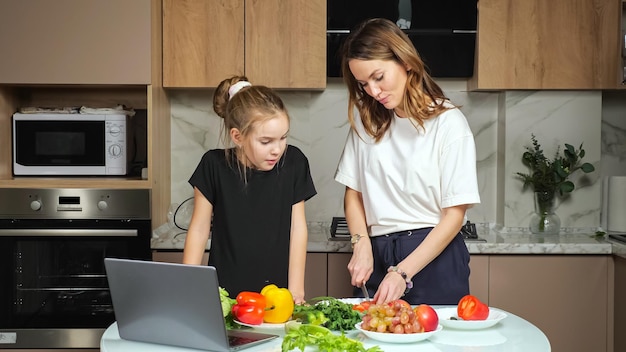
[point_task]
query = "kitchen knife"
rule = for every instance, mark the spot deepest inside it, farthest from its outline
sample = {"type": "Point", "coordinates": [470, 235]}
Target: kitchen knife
{"type": "Point", "coordinates": [365, 293]}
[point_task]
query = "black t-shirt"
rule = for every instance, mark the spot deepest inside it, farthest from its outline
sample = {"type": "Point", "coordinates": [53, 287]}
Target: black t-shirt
{"type": "Point", "coordinates": [252, 219]}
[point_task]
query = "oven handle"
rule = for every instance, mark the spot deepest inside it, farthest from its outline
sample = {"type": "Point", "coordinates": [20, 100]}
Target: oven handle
{"type": "Point", "coordinates": [69, 232]}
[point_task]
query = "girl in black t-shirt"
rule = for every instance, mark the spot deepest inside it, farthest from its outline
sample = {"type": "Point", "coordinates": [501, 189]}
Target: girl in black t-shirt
{"type": "Point", "coordinates": [255, 191]}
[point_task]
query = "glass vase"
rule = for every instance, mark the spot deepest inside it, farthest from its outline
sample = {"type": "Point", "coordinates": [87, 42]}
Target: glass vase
{"type": "Point", "coordinates": [544, 220]}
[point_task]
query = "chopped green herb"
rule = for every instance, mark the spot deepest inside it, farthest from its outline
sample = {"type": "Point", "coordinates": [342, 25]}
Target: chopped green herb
{"type": "Point", "coordinates": [337, 315]}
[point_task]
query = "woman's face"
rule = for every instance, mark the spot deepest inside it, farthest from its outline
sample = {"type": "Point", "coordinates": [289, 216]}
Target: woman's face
{"type": "Point", "coordinates": [383, 80]}
{"type": "Point", "coordinates": [266, 142]}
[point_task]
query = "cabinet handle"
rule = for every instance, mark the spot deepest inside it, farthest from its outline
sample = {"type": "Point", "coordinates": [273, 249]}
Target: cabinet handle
{"type": "Point", "coordinates": [67, 232]}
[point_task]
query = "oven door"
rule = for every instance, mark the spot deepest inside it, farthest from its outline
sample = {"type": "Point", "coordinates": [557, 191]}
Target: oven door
{"type": "Point", "coordinates": [55, 292]}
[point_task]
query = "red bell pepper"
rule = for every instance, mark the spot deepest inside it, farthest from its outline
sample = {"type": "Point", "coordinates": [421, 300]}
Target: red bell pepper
{"type": "Point", "coordinates": [471, 308]}
{"type": "Point", "coordinates": [250, 308]}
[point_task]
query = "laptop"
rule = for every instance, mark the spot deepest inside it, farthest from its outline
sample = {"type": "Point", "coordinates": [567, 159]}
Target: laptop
{"type": "Point", "coordinates": [173, 304]}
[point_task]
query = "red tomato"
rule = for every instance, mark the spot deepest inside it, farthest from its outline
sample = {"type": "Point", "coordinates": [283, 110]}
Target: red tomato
{"type": "Point", "coordinates": [363, 306]}
{"type": "Point", "coordinates": [471, 308]}
{"type": "Point", "coordinates": [426, 317]}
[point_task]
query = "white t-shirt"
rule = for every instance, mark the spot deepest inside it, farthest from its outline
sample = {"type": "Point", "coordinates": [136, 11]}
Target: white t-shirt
{"type": "Point", "coordinates": [412, 173]}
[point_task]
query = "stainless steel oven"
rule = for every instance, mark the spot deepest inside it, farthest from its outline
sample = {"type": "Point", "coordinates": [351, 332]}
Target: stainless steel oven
{"type": "Point", "coordinates": [53, 242]}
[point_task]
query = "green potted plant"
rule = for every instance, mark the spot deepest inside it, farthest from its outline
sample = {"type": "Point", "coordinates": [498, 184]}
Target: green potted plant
{"type": "Point", "coordinates": [549, 178]}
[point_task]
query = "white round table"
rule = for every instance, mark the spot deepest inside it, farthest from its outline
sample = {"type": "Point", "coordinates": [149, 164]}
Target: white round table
{"type": "Point", "coordinates": [511, 334]}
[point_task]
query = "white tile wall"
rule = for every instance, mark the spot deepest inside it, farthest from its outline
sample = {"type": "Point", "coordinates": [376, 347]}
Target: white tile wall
{"type": "Point", "coordinates": [501, 121]}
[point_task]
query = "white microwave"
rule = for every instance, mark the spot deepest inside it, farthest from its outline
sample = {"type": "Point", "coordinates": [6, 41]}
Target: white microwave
{"type": "Point", "coordinates": [70, 144]}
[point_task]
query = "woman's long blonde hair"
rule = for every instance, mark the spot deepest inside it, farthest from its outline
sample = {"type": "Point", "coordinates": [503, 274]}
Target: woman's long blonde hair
{"type": "Point", "coordinates": [381, 39]}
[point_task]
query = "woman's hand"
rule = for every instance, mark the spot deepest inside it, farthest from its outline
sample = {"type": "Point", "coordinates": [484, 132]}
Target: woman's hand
{"type": "Point", "coordinates": [391, 288]}
{"type": "Point", "coordinates": [361, 264]}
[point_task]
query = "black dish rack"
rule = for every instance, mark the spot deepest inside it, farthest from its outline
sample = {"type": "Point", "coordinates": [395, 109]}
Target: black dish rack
{"type": "Point", "coordinates": [339, 230]}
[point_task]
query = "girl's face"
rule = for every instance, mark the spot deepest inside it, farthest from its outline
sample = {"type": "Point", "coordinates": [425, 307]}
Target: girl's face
{"type": "Point", "coordinates": [383, 80]}
{"type": "Point", "coordinates": [266, 142]}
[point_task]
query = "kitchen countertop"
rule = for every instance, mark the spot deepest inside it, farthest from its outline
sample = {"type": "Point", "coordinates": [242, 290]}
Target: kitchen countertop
{"type": "Point", "coordinates": [513, 333]}
{"type": "Point", "coordinates": [495, 242]}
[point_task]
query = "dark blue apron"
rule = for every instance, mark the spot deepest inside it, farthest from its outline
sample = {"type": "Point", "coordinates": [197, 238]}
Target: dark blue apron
{"type": "Point", "coordinates": [444, 281]}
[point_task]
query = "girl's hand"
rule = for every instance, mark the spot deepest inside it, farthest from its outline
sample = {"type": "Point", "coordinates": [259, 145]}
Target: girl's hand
{"type": "Point", "coordinates": [298, 296]}
{"type": "Point", "coordinates": [298, 299]}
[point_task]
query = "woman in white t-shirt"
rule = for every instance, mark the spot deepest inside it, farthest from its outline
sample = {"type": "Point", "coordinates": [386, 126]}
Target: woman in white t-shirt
{"type": "Point", "coordinates": [409, 167]}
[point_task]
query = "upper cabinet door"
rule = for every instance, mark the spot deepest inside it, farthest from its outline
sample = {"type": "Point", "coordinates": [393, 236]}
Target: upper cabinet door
{"type": "Point", "coordinates": [556, 44]}
{"type": "Point", "coordinates": [75, 42]}
{"type": "Point", "coordinates": [203, 42]}
{"type": "Point", "coordinates": [277, 43]}
{"type": "Point", "coordinates": [286, 43]}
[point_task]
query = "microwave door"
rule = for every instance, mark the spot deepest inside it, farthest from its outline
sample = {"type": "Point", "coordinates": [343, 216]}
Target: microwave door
{"type": "Point", "coordinates": [59, 147]}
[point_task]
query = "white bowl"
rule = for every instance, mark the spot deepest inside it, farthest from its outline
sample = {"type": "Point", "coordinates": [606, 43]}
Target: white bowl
{"type": "Point", "coordinates": [446, 315]}
{"type": "Point", "coordinates": [398, 338]}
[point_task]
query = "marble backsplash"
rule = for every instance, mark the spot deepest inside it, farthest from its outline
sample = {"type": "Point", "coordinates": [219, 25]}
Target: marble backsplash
{"type": "Point", "coordinates": [502, 123]}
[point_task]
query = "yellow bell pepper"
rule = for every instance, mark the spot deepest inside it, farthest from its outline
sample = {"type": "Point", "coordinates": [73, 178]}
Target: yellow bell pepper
{"type": "Point", "coordinates": [279, 304]}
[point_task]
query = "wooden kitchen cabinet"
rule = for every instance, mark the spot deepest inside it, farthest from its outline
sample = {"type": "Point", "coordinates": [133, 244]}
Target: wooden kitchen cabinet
{"type": "Point", "coordinates": [565, 296]}
{"type": "Point", "coordinates": [557, 44]}
{"type": "Point", "coordinates": [479, 277]}
{"type": "Point", "coordinates": [315, 283]}
{"type": "Point", "coordinates": [175, 257]}
{"type": "Point", "coordinates": [151, 98]}
{"type": "Point", "coordinates": [92, 85]}
{"type": "Point", "coordinates": [339, 285]}
{"type": "Point", "coordinates": [280, 44]}
{"type": "Point", "coordinates": [202, 42]}
{"type": "Point", "coordinates": [619, 311]}
{"type": "Point", "coordinates": [75, 42]}
{"type": "Point", "coordinates": [285, 43]}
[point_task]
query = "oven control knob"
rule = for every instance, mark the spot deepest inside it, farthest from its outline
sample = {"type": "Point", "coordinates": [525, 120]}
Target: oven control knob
{"type": "Point", "coordinates": [35, 205]}
{"type": "Point", "coordinates": [102, 205]}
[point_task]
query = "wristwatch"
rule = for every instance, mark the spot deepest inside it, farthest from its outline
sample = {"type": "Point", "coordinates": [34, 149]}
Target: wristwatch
{"type": "Point", "coordinates": [354, 239]}
{"type": "Point", "coordinates": [409, 283]}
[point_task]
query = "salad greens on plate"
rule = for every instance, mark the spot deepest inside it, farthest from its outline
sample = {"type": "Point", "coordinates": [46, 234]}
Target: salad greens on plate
{"type": "Point", "coordinates": [329, 312]}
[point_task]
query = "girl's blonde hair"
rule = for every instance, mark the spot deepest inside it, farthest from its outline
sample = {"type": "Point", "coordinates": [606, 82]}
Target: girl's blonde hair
{"type": "Point", "coordinates": [381, 39]}
{"type": "Point", "coordinates": [242, 110]}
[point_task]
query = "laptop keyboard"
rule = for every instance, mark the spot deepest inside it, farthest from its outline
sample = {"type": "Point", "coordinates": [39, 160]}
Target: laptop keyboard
{"type": "Point", "coordinates": [239, 340]}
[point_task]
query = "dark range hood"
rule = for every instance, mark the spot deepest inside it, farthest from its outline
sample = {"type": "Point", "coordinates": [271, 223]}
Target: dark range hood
{"type": "Point", "coordinates": [442, 31]}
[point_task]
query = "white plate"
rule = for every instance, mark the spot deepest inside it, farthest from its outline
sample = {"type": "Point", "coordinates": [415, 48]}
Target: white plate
{"type": "Point", "coordinates": [398, 338]}
{"type": "Point", "coordinates": [263, 326]}
{"type": "Point", "coordinates": [445, 314]}
{"type": "Point", "coordinates": [351, 300]}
